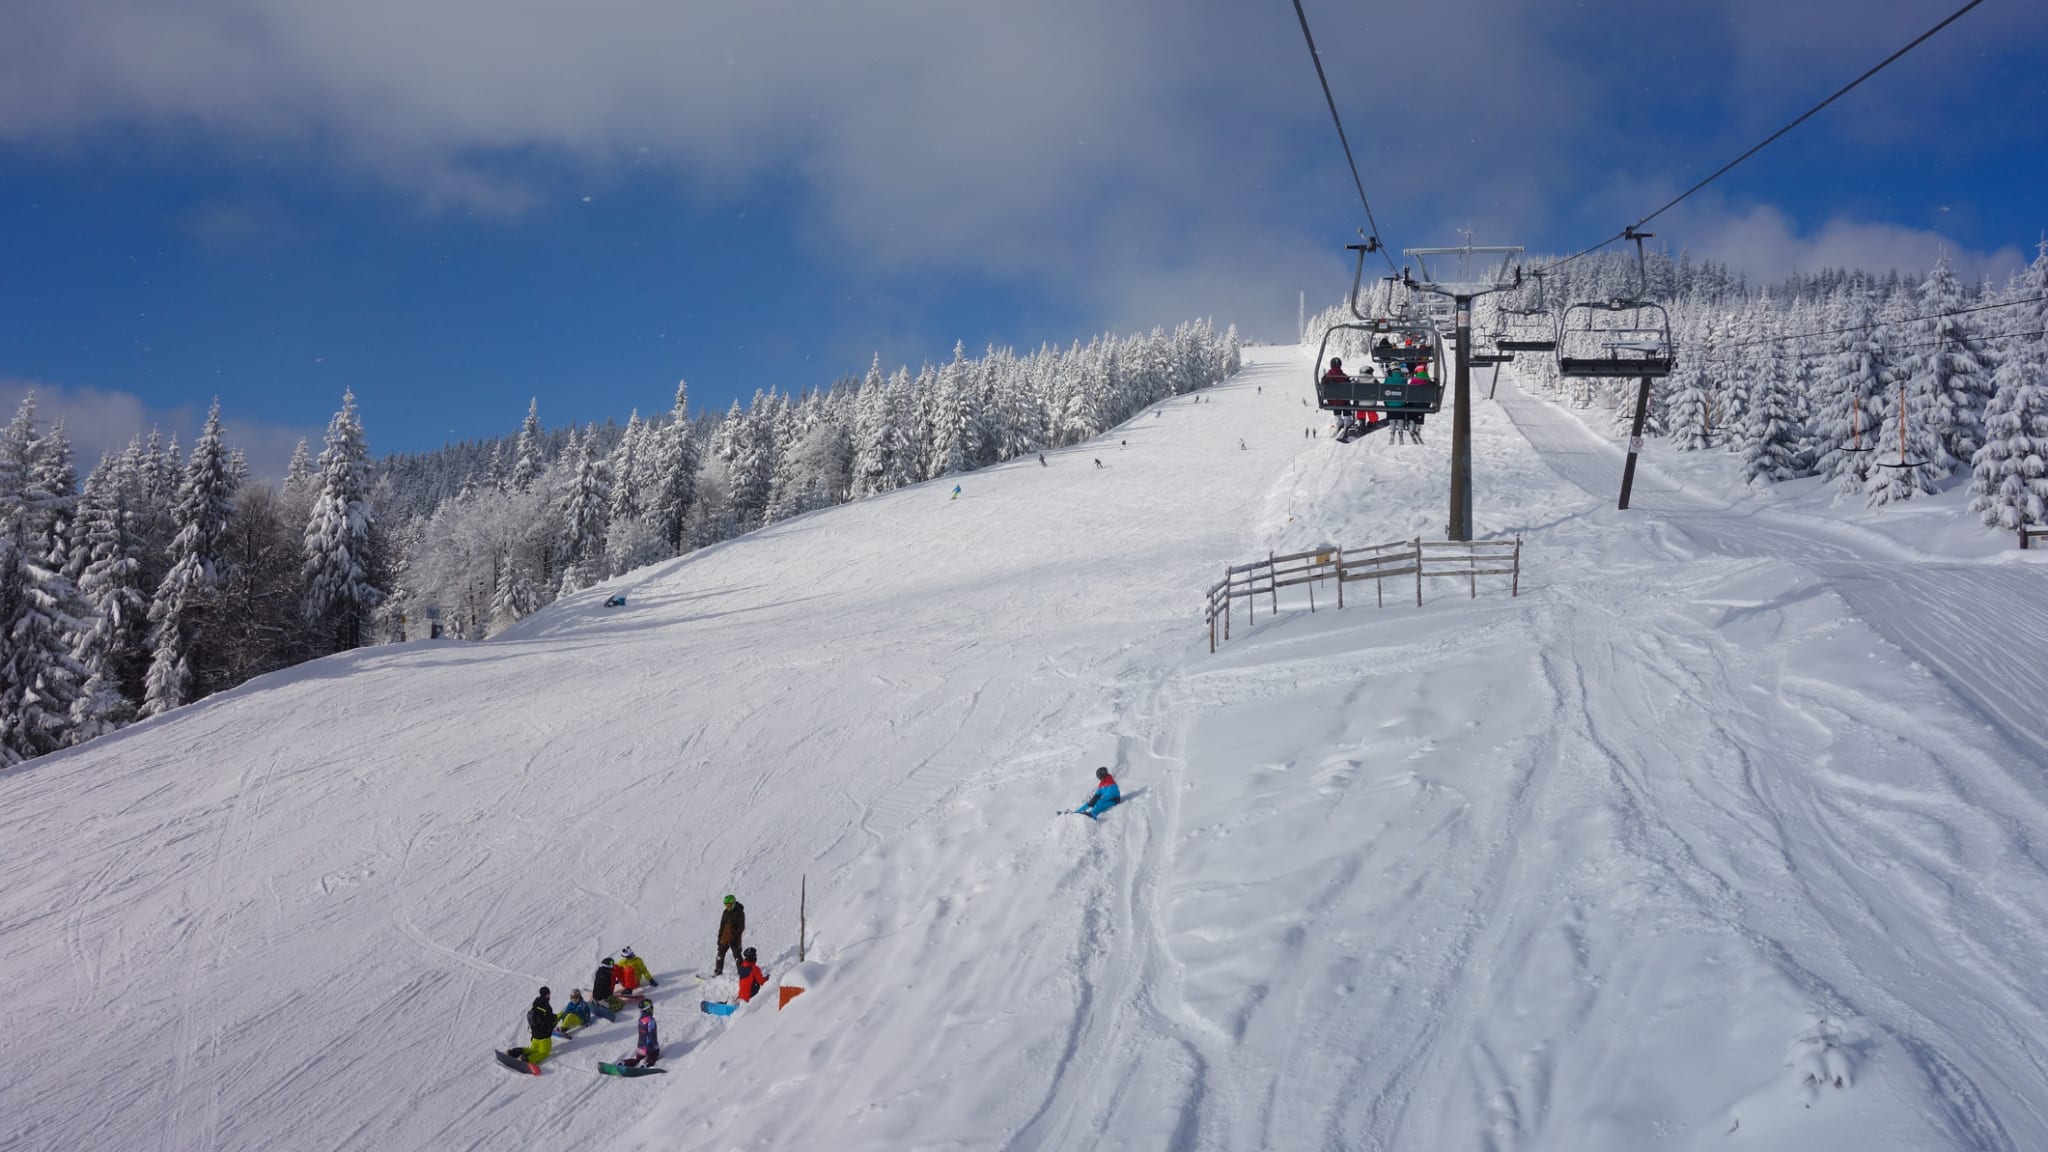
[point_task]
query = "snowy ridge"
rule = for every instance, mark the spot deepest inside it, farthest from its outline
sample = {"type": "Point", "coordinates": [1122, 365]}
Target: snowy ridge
{"type": "Point", "coordinates": [1655, 855]}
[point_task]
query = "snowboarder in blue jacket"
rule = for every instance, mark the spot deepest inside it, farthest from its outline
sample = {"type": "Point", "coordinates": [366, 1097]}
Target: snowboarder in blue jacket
{"type": "Point", "coordinates": [1105, 797]}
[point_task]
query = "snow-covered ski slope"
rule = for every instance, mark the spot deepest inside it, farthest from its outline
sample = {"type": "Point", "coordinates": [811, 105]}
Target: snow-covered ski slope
{"type": "Point", "coordinates": [1730, 804]}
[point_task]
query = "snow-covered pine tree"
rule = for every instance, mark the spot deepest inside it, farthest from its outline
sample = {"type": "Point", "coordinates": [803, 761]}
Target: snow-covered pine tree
{"type": "Point", "coordinates": [584, 506]}
{"type": "Point", "coordinates": [109, 650]}
{"type": "Point", "coordinates": [530, 458]}
{"type": "Point", "coordinates": [344, 562]}
{"type": "Point", "coordinates": [1948, 366]}
{"type": "Point", "coordinates": [1690, 429]}
{"type": "Point", "coordinates": [2009, 474]}
{"type": "Point", "coordinates": [676, 467]}
{"type": "Point", "coordinates": [749, 458]}
{"type": "Point", "coordinates": [956, 432]}
{"type": "Point", "coordinates": [177, 612]}
{"type": "Point", "coordinates": [1854, 373]}
{"type": "Point", "coordinates": [875, 438]}
{"type": "Point", "coordinates": [298, 476]}
{"type": "Point", "coordinates": [39, 677]}
{"type": "Point", "coordinates": [1767, 436]}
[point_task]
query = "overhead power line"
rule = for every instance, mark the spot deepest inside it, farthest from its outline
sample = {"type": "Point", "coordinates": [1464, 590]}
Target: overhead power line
{"type": "Point", "coordinates": [1356, 180]}
{"type": "Point", "coordinates": [1767, 141]}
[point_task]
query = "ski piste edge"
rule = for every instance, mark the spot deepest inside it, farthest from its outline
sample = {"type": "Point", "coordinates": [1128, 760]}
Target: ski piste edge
{"type": "Point", "coordinates": [515, 1063]}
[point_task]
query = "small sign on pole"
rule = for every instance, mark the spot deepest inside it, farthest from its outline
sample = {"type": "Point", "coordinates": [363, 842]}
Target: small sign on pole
{"type": "Point", "coordinates": [1635, 443]}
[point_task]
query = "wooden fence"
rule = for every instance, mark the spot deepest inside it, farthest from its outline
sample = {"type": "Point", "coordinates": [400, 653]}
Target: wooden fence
{"type": "Point", "coordinates": [2029, 535]}
{"type": "Point", "coordinates": [1331, 568]}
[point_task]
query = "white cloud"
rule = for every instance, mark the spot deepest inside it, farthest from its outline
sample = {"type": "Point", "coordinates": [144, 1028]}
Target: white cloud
{"type": "Point", "coordinates": [98, 421]}
{"type": "Point", "coordinates": [1764, 242]}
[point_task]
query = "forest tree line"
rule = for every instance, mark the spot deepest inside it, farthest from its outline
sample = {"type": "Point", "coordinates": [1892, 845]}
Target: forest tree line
{"type": "Point", "coordinates": [169, 576]}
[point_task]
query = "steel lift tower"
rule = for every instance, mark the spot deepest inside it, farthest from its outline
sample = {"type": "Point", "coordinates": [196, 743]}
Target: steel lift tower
{"type": "Point", "coordinates": [1465, 281]}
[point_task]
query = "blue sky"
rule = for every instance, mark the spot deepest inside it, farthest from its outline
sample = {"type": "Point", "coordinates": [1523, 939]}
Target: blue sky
{"type": "Point", "coordinates": [452, 205]}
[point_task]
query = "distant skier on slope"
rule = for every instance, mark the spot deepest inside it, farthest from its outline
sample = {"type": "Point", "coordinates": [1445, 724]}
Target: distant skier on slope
{"type": "Point", "coordinates": [956, 491]}
{"type": "Point", "coordinates": [751, 975]}
{"type": "Point", "coordinates": [1105, 796]}
{"type": "Point", "coordinates": [639, 966]}
{"type": "Point", "coordinates": [732, 925]}
{"type": "Point", "coordinates": [540, 1024]}
{"type": "Point", "coordinates": [648, 1037]}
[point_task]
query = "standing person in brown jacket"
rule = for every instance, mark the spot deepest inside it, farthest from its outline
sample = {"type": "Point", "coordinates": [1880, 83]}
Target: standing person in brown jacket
{"type": "Point", "coordinates": [731, 926]}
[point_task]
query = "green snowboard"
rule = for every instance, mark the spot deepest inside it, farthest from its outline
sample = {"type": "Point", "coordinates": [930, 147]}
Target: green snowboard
{"type": "Point", "coordinates": [628, 1073]}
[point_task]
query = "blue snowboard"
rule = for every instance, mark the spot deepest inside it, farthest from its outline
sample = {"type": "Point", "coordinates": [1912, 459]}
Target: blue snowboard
{"type": "Point", "coordinates": [713, 1009]}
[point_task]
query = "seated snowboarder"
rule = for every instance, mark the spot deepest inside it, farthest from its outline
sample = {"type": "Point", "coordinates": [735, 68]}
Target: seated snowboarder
{"type": "Point", "coordinates": [626, 981]}
{"type": "Point", "coordinates": [751, 976]}
{"type": "Point", "coordinates": [540, 1023]}
{"type": "Point", "coordinates": [578, 1012]}
{"type": "Point", "coordinates": [602, 986]}
{"type": "Point", "coordinates": [649, 1040]}
{"type": "Point", "coordinates": [1105, 797]}
{"type": "Point", "coordinates": [640, 973]}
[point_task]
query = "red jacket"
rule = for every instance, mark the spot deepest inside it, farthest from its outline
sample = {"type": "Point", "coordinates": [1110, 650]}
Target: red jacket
{"type": "Point", "coordinates": [751, 979]}
{"type": "Point", "coordinates": [1337, 376]}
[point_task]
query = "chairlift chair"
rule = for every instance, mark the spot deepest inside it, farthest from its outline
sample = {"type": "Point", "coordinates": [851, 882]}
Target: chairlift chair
{"type": "Point", "coordinates": [1614, 339]}
{"type": "Point", "coordinates": [1408, 399]}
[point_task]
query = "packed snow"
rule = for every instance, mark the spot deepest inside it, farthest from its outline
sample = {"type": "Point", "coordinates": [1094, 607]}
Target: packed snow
{"type": "Point", "coordinates": [1726, 833]}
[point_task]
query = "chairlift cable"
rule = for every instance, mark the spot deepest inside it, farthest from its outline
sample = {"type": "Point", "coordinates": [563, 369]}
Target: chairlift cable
{"type": "Point", "coordinates": [1881, 324]}
{"type": "Point", "coordinates": [1317, 58]}
{"type": "Point", "coordinates": [1809, 113]}
{"type": "Point", "coordinates": [1801, 356]}
{"type": "Point", "coordinates": [1768, 140]}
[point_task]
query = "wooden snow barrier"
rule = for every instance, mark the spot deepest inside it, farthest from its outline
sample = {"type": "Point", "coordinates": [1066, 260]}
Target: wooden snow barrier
{"type": "Point", "coordinates": [2028, 535]}
{"type": "Point", "coordinates": [1332, 567]}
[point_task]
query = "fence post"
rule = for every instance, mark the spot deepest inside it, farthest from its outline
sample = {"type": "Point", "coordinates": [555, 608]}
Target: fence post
{"type": "Point", "coordinates": [1272, 582]}
{"type": "Point", "coordinates": [1212, 624]}
{"type": "Point", "coordinates": [803, 885]}
{"type": "Point", "coordinates": [1340, 579]}
{"type": "Point", "coordinates": [1418, 571]}
{"type": "Point", "coordinates": [1472, 567]}
{"type": "Point", "coordinates": [1226, 601]}
{"type": "Point", "coordinates": [1515, 589]}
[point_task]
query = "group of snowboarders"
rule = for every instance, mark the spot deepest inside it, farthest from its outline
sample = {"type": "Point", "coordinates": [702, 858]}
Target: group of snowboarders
{"type": "Point", "coordinates": [618, 980]}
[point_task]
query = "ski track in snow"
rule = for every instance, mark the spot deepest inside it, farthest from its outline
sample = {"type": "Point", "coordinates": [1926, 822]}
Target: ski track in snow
{"type": "Point", "coordinates": [1586, 870]}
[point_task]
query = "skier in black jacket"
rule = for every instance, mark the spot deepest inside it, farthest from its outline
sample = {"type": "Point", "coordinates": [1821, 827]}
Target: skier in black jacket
{"type": "Point", "coordinates": [731, 927]}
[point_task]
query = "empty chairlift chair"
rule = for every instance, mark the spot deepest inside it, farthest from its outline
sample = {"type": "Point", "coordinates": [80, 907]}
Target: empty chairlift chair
{"type": "Point", "coordinates": [1614, 339]}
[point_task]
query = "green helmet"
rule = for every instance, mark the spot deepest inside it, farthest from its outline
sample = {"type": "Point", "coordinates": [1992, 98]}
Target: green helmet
{"type": "Point", "coordinates": [729, 899]}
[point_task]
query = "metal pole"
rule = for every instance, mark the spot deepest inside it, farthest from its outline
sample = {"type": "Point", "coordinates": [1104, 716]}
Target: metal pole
{"type": "Point", "coordinates": [803, 886]}
{"type": "Point", "coordinates": [1461, 429]}
{"type": "Point", "coordinates": [1635, 442]}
